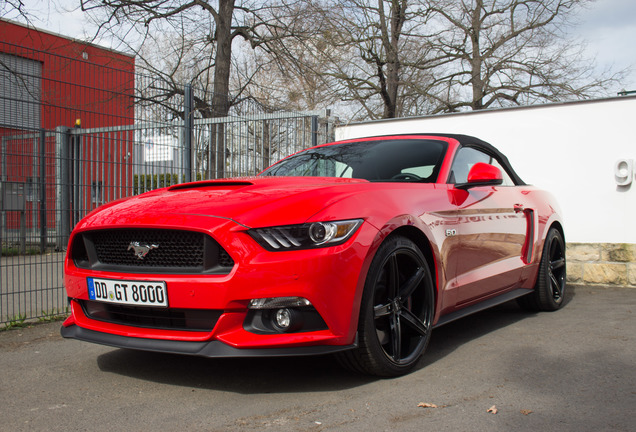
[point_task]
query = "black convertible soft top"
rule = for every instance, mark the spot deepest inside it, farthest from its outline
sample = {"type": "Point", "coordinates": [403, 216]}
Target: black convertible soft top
{"type": "Point", "coordinates": [471, 141]}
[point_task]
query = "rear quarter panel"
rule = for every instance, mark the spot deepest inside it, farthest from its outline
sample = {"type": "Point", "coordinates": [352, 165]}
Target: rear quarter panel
{"type": "Point", "coordinates": [547, 215]}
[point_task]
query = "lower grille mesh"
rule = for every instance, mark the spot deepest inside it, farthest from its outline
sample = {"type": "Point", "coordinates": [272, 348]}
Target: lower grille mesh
{"type": "Point", "coordinates": [157, 318]}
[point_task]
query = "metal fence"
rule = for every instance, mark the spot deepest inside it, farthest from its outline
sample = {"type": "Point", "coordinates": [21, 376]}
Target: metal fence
{"type": "Point", "coordinates": [52, 176]}
{"type": "Point", "coordinates": [104, 164]}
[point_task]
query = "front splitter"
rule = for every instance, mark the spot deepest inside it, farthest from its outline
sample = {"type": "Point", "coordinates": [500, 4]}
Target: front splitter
{"type": "Point", "coordinates": [213, 349]}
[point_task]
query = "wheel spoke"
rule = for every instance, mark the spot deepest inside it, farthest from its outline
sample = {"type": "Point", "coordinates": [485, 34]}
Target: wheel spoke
{"type": "Point", "coordinates": [393, 277]}
{"type": "Point", "coordinates": [396, 337]}
{"type": "Point", "coordinates": [557, 264]}
{"type": "Point", "coordinates": [412, 283]}
{"type": "Point", "coordinates": [413, 321]}
{"type": "Point", "coordinates": [556, 286]}
{"type": "Point", "coordinates": [554, 248]}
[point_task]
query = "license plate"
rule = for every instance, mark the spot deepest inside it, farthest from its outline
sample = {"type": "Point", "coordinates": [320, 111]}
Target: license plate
{"type": "Point", "coordinates": [139, 293]}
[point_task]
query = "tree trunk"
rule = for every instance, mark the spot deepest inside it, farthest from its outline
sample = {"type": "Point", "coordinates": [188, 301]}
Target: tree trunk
{"type": "Point", "coordinates": [476, 60]}
{"type": "Point", "coordinates": [222, 62]}
{"type": "Point", "coordinates": [391, 43]}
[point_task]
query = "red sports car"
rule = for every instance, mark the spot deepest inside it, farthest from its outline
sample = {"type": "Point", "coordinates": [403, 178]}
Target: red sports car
{"type": "Point", "coordinates": [358, 247]}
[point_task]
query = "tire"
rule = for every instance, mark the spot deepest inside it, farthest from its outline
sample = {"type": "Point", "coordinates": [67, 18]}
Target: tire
{"type": "Point", "coordinates": [549, 290]}
{"type": "Point", "coordinates": [396, 311]}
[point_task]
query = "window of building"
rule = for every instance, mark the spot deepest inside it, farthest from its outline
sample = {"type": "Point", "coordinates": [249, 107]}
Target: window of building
{"type": "Point", "coordinates": [20, 92]}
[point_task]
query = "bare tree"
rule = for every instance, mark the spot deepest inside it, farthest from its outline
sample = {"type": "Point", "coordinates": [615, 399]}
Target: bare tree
{"type": "Point", "coordinates": [192, 41]}
{"type": "Point", "coordinates": [13, 8]}
{"type": "Point", "coordinates": [375, 53]}
{"type": "Point", "coordinates": [510, 52]}
{"type": "Point", "coordinates": [378, 58]}
{"type": "Point", "coordinates": [407, 57]}
{"type": "Point", "coordinates": [137, 22]}
{"type": "Point", "coordinates": [287, 76]}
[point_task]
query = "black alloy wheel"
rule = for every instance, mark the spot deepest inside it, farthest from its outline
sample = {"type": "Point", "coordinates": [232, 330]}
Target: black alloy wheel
{"type": "Point", "coordinates": [552, 272]}
{"type": "Point", "coordinates": [549, 291]}
{"type": "Point", "coordinates": [396, 312]}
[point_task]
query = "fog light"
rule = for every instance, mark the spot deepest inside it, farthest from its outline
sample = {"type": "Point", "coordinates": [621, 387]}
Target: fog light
{"type": "Point", "coordinates": [283, 318]}
{"type": "Point", "coordinates": [287, 320]}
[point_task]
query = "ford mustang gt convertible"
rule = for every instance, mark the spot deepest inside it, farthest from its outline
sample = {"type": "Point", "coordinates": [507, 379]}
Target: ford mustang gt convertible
{"type": "Point", "coordinates": [359, 248]}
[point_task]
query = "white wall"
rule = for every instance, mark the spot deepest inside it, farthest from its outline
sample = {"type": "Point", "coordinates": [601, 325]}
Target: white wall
{"type": "Point", "coordinates": [569, 149]}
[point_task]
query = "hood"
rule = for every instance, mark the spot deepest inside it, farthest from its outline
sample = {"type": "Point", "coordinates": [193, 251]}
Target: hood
{"type": "Point", "coordinates": [252, 202]}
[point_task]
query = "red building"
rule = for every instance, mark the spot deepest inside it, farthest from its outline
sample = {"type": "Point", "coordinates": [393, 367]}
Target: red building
{"type": "Point", "coordinates": [77, 79]}
{"type": "Point", "coordinates": [47, 83]}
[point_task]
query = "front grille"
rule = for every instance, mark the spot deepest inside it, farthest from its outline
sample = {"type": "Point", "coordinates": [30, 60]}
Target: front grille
{"type": "Point", "coordinates": [156, 318]}
{"type": "Point", "coordinates": [162, 251]}
{"type": "Point", "coordinates": [175, 248]}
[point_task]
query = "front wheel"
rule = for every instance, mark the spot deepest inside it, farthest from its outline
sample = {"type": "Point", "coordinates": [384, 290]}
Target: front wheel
{"type": "Point", "coordinates": [396, 312]}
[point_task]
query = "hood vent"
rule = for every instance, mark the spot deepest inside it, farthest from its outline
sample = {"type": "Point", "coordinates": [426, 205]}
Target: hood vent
{"type": "Point", "coordinates": [210, 183]}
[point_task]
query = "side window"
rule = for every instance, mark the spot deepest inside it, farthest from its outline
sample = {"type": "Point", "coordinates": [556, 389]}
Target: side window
{"type": "Point", "coordinates": [507, 180]}
{"type": "Point", "coordinates": [465, 158]}
{"type": "Point", "coordinates": [420, 171]}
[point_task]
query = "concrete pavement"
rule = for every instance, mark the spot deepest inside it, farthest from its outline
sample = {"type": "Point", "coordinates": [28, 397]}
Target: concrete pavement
{"type": "Point", "coordinates": [571, 370]}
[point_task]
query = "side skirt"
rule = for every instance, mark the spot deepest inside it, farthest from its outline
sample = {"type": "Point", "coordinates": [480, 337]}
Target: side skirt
{"type": "Point", "coordinates": [486, 304]}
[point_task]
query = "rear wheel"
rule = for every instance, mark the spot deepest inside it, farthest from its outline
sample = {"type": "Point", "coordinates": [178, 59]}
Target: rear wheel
{"type": "Point", "coordinates": [549, 289]}
{"type": "Point", "coordinates": [396, 311]}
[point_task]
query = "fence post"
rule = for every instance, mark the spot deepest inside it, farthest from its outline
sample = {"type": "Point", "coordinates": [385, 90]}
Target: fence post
{"type": "Point", "coordinates": [187, 130]}
{"type": "Point", "coordinates": [23, 229]}
{"type": "Point", "coordinates": [314, 131]}
{"type": "Point", "coordinates": [328, 136]}
{"type": "Point", "coordinates": [76, 175]}
{"type": "Point", "coordinates": [43, 227]}
{"type": "Point", "coordinates": [221, 156]}
{"type": "Point", "coordinates": [266, 152]}
{"type": "Point", "coordinates": [3, 179]}
{"type": "Point", "coordinates": [63, 213]}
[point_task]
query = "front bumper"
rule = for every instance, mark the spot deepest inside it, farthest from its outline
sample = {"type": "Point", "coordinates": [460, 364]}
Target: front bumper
{"type": "Point", "coordinates": [330, 278]}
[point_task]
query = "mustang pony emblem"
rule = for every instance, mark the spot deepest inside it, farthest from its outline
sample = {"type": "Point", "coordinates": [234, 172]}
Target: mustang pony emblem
{"type": "Point", "coordinates": [141, 250]}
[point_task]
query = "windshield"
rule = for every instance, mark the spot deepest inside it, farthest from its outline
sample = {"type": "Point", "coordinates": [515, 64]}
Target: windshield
{"type": "Point", "coordinates": [414, 160]}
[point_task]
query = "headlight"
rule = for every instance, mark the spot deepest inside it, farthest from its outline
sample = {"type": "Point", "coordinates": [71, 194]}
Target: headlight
{"type": "Point", "coordinates": [305, 236]}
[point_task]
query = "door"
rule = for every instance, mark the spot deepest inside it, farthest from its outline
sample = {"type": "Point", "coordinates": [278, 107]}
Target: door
{"type": "Point", "coordinates": [492, 229]}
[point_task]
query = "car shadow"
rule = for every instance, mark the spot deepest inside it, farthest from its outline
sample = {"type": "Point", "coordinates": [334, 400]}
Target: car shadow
{"type": "Point", "coordinates": [239, 375]}
{"type": "Point", "coordinates": [293, 374]}
{"type": "Point", "coordinates": [449, 337]}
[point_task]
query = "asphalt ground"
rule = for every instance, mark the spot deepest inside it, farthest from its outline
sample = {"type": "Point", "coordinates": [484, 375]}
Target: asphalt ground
{"type": "Point", "coordinates": [570, 370]}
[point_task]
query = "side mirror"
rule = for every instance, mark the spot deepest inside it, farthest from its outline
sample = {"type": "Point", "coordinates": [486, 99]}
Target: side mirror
{"type": "Point", "coordinates": [482, 174]}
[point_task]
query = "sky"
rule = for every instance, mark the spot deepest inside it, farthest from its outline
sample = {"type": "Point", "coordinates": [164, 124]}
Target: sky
{"type": "Point", "coordinates": [608, 27]}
